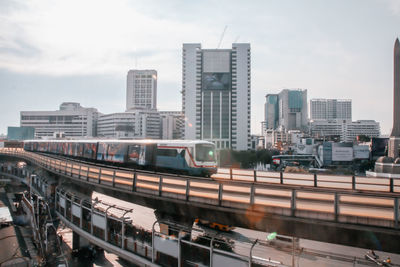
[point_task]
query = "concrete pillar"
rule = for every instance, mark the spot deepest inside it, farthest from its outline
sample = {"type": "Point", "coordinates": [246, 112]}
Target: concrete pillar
{"type": "Point", "coordinates": [75, 241]}
{"type": "Point", "coordinates": [79, 242]}
{"type": "Point", "coordinates": [394, 144]}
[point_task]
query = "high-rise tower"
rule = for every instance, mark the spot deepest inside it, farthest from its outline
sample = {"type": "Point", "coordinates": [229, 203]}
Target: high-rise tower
{"type": "Point", "coordinates": [394, 141]}
{"type": "Point", "coordinates": [216, 95]}
{"type": "Point", "coordinates": [141, 89]}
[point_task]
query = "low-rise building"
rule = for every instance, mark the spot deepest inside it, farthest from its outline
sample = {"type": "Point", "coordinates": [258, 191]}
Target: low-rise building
{"type": "Point", "coordinates": [347, 130]}
{"type": "Point", "coordinates": [280, 137]}
{"type": "Point", "coordinates": [20, 133]}
{"type": "Point", "coordinates": [73, 120]}
{"type": "Point", "coordinates": [137, 124]}
{"type": "Point", "coordinates": [344, 153]}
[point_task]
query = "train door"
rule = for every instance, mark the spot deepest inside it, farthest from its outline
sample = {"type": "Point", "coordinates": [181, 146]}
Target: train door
{"type": "Point", "coordinates": [134, 151]}
{"type": "Point", "coordinates": [101, 151]}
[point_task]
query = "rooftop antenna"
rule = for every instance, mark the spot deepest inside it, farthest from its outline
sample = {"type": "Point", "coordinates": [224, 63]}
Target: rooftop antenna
{"type": "Point", "coordinates": [222, 36]}
{"type": "Point", "coordinates": [136, 61]}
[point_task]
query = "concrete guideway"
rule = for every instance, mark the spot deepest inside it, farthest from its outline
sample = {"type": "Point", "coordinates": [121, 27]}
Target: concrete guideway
{"type": "Point", "coordinates": [105, 209]}
{"type": "Point", "coordinates": [343, 214]}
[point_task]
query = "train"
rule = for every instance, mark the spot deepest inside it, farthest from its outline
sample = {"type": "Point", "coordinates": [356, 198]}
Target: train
{"type": "Point", "coordinates": [191, 157]}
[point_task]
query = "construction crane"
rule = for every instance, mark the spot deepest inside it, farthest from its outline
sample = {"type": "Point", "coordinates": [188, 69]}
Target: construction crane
{"type": "Point", "coordinates": [222, 36]}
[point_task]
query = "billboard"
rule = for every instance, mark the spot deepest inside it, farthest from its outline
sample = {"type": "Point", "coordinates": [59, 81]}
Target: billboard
{"type": "Point", "coordinates": [342, 153]}
{"type": "Point", "coordinates": [216, 81]}
{"type": "Point", "coordinates": [361, 151]}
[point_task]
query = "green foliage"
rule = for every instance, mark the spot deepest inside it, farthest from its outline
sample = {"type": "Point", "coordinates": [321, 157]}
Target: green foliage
{"type": "Point", "coordinates": [363, 138]}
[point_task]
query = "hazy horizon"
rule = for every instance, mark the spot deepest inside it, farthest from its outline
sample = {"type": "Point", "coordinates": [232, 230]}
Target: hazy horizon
{"type": "Point", "coordinates": [53, 52]}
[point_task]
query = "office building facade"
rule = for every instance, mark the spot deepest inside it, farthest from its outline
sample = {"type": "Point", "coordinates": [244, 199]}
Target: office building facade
{"type": "Point", "coordinates": [347, 130]}
{"type": "Point", "coordinates": [141, 89]}
{"type": "Point", "coordinates": [328, 109]}
{"type": "Point", "coordinates": [172, 123]}
{"type": "Point", "coordinates": [216, 87]}
{"type": "Point", "coordinates": [271, 111]}
{"type": "Point", "coordinates": [136, 124]}
{"type": "Point", "coordinates": [71, 120]}
{"type": "Point", "coordinates": [293, 112]}
{"type": "Point", "coordinates": [286, 110]}
{"type": "Point", "coordinates": [20, 133]}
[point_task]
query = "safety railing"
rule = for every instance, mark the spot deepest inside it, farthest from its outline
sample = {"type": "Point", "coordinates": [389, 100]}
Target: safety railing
{"type": "Point", "coordinates": [352, 182]}
{"type": "Point", "coordinates": [112, 225]}
{"type": "Point", "coordinates": [345, 206]}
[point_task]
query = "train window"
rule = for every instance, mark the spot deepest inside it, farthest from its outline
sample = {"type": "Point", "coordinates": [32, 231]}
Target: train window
{"type": "Point", "coordinates": [167, 152]}
{"type": "Point", "coordinates": [64, 148]}
{"type": "Point", "coordinates": [70, 149]}
{"type": "Point", "coordinates": [53, 147]}
{"type": "Point", "coordinates": [88, 150]}
{"type": "Point", "coordinates": [205, 152]}
{"type": "Point", "coordinates": [134, 153]}
{"type": "Point", "coordinates": [79, 149]}
{"type": "Point", "coordinates": [116, 152]}
{"type": "Point", "coordinates": [101, 151]}
{"type": "Point", "coordinates": [74, 149]}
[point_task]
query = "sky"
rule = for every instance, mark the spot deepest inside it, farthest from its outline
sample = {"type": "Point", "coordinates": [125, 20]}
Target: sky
{"type": "Point", "coordinates": [54, 51]}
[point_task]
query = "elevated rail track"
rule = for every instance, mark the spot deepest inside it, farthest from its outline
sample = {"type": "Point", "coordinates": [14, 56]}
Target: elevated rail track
{"type": "Point", "coordinates": [334, 214]}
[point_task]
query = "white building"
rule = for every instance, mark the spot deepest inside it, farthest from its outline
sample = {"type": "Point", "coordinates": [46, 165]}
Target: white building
{"type": "Point", "coordinates": [171, 124]}
{"type": "Point", "coordinates": [71, 119]}
{"type": "Point", "coordinates": [141, 89]}
{"type": "Point", "coordinates": [137, 124]}
{"type": "Point", "coordinates": [327, 109]}
{"type": "Point", "coordinates": [281, 137]}
{"type": "Point", "coordinates": [216, 95]}
{"type": "Point", "coordinates": [347, 130]}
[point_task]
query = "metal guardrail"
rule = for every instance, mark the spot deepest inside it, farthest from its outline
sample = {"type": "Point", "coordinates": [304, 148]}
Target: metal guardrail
{"type": "Point", "coordinates": [372, 208]}
{"type": "Point", "coordinates": [173, 246]}
{"type": "Point", "coordinates": [351, 182]}
{"type": "Point", "coordinates": [93, 223]}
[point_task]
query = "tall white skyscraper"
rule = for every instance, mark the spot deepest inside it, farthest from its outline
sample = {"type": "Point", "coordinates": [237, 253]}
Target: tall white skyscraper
{"type": "Point", "coordinates": [327, 109]}
{"type": "Point", "coordinates": [141, 89]}
{"type": "Point", "coordinates": [216, 87]}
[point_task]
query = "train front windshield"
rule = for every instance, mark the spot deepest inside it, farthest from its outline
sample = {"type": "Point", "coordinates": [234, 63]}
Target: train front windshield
{"type": "Point", "coordinates": [205, 152]}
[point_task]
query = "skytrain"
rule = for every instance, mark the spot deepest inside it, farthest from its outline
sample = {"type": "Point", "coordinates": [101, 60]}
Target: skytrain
{"type": "Point", "coordinates": [192, 157]}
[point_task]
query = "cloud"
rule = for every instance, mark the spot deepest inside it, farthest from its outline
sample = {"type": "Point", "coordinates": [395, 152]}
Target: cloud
{"type": "Point", "coordinates": [394, 6]}
{"type": "Point", "coordinates": [88, 37]}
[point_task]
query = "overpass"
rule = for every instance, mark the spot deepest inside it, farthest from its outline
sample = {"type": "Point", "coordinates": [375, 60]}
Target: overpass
{"type": "Point", "coordinates": [321, 211]}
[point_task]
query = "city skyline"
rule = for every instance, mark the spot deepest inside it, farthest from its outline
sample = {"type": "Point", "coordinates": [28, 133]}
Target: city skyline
{"type": "Point", "coordinates": [47, 59]}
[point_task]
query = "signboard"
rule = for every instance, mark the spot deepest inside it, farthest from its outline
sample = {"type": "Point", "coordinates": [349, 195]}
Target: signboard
{"type": "Point", "coordinates": [361, 152]}
{"type": "Point", "coordinates": [216, 81]}
{"type": "Point", "coordinates": [340, 153]}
